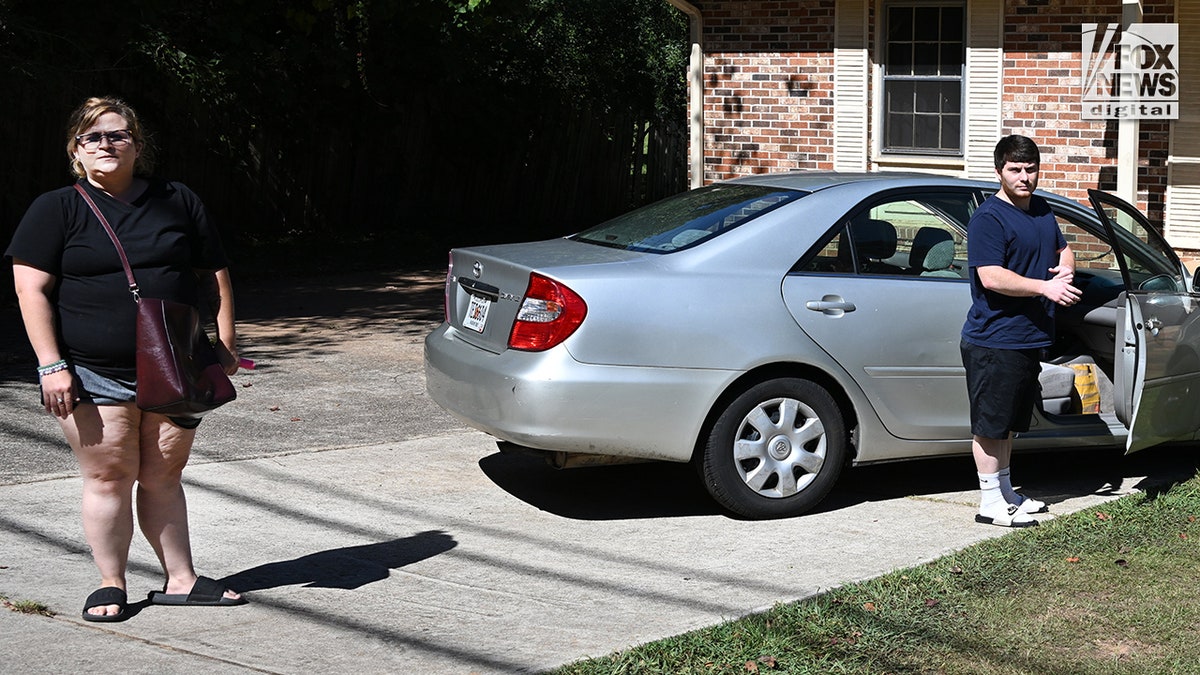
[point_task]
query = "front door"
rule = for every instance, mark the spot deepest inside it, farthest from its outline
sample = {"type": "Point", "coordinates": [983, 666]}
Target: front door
{"type": "Point", "coordinates": [1157, 378]}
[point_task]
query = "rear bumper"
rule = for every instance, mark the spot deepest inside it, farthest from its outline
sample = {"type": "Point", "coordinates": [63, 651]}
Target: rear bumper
{"type": "Point", "coordinates": [550, 401]}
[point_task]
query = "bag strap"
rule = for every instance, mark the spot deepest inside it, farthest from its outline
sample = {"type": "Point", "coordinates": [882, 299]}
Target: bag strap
{"type": "Point", "coordinates": [133, 287]}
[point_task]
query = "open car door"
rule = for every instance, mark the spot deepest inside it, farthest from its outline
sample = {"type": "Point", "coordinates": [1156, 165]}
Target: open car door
{"type": "Point", "coordinates": [1157, 378]}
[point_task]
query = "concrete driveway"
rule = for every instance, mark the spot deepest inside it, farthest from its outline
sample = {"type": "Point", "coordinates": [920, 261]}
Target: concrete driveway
{"type": "Point", "coordinates": [375, 534]}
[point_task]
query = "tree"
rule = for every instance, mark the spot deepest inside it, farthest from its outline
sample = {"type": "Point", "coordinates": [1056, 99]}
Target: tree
{"type": "Point", "coordinates": [332, 118]}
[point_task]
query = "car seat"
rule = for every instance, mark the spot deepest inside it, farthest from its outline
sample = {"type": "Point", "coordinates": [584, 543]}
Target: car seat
{"type": "Point", "coordinates": [1058, 389]}
{"type": "Point", "coordinates": [874, 240]}
{"type": "Point", "coordinates": [940, 260]}
{"type": "Point", "coordinates": [924, 241]}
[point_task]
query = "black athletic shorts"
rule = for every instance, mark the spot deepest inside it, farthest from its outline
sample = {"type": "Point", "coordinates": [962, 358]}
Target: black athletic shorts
{"type": "Point", "coordinates": [1003, 387]}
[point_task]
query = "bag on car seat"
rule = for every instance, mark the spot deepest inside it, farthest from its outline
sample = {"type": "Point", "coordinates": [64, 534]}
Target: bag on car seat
{"type": "Point", "coordinates": [1087, 386]}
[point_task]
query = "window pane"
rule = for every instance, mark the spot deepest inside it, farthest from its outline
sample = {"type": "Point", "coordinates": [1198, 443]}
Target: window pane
{"type": "Point", "coordinates": [900, 97]}
{"type": "Point", "coordinates": [1091, 252]}
{"type": "Point", "coordinates": [1151, 263]}
{"type": "Point", "coordinates": [832, 258]}
{"type": "Point", "coordinates": [929, 96]}
{"type": "Point", "coordinates": [899, 23]}
{"type": "Point", "coordinates": [951, 61]}
{"type": "Point", "coordinates": [951, 97]}
{"type": "Point", "coordinates": [900, 131]}
{"type": "Point", "coordinates": [951, 132]}
{"type": "Point", "coordinates": [925, 59]}
{"type": "Point", "coordinates": [957, 206]}
{"type": "Point", "coordinates": [937, 96]}
{"type": "Point", "coordinates": [900, 59]}
{"type": "Point", "coordinates": [952, 24]}
{"type": "Point", "coordinates": [927, 23]}
{"type": "Point", "coordinates": [927, 131]}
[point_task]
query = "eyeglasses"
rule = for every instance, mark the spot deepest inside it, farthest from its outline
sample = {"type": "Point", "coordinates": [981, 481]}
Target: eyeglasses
{"type": "Point", "coordinates": [115, 138]}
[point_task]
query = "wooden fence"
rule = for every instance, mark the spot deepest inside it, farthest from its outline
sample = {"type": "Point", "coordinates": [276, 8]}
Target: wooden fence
{"type": "Point", "coordinates": [435, 174]}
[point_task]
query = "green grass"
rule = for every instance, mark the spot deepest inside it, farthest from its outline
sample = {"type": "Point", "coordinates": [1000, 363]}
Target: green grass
{"type": "Point", "coordinates": [1104, 591]}
{"type": "Point", "coordinates": [26, 607]}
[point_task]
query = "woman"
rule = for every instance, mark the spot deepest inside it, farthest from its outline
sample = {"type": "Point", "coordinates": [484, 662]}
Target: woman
{"type": "Point", "coordinates": [79, 316]}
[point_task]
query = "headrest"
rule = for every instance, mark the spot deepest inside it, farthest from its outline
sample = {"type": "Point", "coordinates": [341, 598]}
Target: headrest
{"type": "Point", "coordinates": [940, 257]}
{"type": "Point", "coordinates": [925, 239]}
{"type": "Point", "coordinates": [875, 239]}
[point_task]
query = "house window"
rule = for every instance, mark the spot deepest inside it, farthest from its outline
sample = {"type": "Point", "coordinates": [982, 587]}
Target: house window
{"type": "Point", "coordinates": [923, 78]}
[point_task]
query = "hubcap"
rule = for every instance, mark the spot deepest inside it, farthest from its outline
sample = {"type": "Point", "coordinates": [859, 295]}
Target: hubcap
{"type": "Point", "coordinates": [780, 447]}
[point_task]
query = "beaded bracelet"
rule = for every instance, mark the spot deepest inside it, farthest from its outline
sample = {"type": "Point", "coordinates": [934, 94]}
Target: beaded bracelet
{"type": "Point", "coordinates": [55, 367]}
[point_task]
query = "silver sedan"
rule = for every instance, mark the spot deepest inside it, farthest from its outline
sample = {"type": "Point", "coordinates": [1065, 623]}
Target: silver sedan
{"type": "Point", "coordinates": [774, 329]}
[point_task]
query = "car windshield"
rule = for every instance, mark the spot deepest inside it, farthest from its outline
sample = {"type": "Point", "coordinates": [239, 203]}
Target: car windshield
{"type": "Point", "coordinates": [689, 218]}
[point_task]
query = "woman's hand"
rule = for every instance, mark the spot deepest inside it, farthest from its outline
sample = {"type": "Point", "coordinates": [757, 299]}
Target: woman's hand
{"type": "Point", "coordinates": [34, 291]}
{"type": "Point", "coordinates": [58, 393]}
{"type": "Point", "coordinates": [222, 309]}
{"type": "Point", "coordinates": [228, 357]}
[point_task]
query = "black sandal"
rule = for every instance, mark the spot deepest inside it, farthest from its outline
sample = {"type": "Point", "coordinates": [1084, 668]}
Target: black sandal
{"type": "Point", "coordinates": [102, 597]}
{"type": "Point", "coordinates": [205, 593]}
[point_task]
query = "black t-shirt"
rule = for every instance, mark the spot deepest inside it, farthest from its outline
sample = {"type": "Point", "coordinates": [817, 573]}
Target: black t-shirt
{"type": "Point", "coordinates": [166, 235]}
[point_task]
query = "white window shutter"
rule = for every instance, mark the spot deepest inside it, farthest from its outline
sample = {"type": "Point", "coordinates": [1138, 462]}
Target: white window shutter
{"type": "Point", "coordinates": [1183, 164]}
{"type": "Point", "coordinates": [984, 85]}
{"type": "Point", "coordinates": [850, 89]}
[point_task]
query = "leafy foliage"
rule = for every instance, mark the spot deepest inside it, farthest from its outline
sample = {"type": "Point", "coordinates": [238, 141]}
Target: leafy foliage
{"type": "Point", "coordinates": [328, 115]}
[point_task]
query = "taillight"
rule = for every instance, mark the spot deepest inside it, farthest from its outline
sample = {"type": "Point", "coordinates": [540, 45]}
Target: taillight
{"type": "Point", "coordinates": [548, 315]}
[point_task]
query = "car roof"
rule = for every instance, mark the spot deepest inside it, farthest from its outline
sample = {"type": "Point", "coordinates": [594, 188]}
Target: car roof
{"type": "Point", "coordinates": [812, 181]}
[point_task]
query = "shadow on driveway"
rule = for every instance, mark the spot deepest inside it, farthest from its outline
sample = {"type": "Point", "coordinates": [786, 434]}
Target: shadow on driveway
{"type": "Point", "coordinates": [346, 568]}
{"type": "Point", "coordinates": [626, 491]}
{"type": "Point", "coordinates": [671, 490]}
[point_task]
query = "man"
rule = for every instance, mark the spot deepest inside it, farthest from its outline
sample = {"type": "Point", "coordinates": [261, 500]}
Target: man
{"type": "Point", "coordinates": [1021, 268]}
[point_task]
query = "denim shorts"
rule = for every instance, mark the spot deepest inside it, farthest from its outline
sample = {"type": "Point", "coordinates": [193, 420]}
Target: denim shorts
{"type": "Point", "coordinates": [1003, 388]}
{"type": "Point", "coordinates": [101, 390]}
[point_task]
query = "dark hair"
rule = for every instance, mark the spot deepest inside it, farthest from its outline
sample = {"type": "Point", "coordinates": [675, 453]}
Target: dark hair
{"type": "Point", "coordinates": [91, 110]}
{"type": "Point", "coordinates": [1016, 148]}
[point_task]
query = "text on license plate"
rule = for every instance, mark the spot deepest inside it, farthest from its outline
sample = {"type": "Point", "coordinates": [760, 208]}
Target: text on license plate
{"type": "Point", "coordinates": [477, 312]}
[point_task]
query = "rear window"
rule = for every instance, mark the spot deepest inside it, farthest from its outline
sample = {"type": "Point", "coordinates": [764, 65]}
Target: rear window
{"type": "Point", "coordinates": [689, 218]}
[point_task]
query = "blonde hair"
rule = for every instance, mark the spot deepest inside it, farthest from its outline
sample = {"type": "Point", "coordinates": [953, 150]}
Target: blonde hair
{"type": "Point", "coordinates": [86, 116]}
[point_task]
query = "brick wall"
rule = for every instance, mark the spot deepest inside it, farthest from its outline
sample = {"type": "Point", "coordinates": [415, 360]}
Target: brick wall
{"type": "Point", "coordinates": [1042, 71]}
{"type": "Point", "coordinates": [769, 92]}
{"type": "Point", "coordinates": [768, 81]}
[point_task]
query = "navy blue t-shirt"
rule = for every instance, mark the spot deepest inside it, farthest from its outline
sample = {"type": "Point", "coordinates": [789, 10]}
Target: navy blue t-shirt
{"type": "Point", "coordinates": [1027, 243]}
{"type": "Point", "coordinates": [166, 235]}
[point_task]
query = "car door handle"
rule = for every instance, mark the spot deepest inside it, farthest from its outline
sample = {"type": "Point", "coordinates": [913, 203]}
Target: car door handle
{"type": "Point", "coordinates": [831, 306]}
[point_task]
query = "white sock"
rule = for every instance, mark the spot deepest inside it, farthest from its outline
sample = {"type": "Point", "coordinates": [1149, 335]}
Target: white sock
{"type": "Point", "coordinates": [990, 496]}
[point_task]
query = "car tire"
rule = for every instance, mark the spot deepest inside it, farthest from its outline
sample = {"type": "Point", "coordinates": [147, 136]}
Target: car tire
{"type": "Point", "coordinates": [776, 450]}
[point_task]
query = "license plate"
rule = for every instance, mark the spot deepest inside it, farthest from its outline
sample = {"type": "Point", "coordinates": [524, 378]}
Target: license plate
{"type": "Point", "coordinates": [477, 311]}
